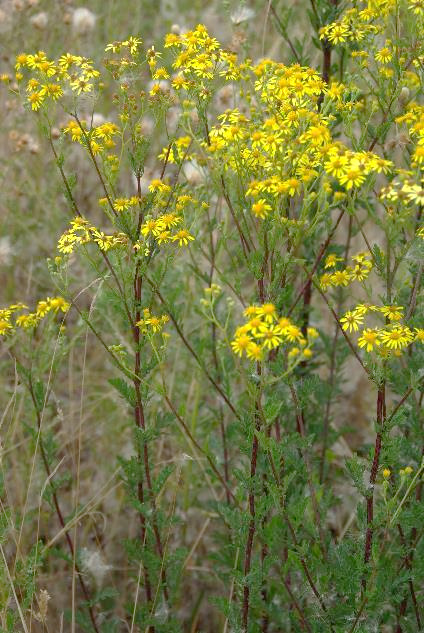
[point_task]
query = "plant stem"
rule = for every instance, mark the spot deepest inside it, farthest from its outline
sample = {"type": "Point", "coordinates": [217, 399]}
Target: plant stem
{"type": "Point", "coordinates": [381, 415]}
{"type": "Point", "coordinates": [252, 510]}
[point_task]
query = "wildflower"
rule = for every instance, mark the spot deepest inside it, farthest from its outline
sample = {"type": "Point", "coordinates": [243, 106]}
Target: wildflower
{"type": "Point", "coordinates": [36, 99]}
{"type": "Point", "coordinates": [261, 208]}
{"type": "Point", "coordinates": [340, 278]}
{"type": "Point", "coordinates": [386, 473]}
{"type": "Point", "coordinates": [81, 85]}
{"type": "Point", "coordinates": [268, 312]}
{"type": "Point", "coordinates": [393, 313]}
{"type": "Point", "coordinates": [182, 237]}
{"type": "Point", "coordinates": [384, 55]}
{"type": "Point", "coordinates": [293, 334]}
{"type": "Point", "coordinates": [352, 178]}
{"type": "Point", "coordinates": [240, 344]}
{"type": "Point", "coordinates": [5, 326]}
{"type": "Point", "coordinates": [331, 261]}
{"type": "Point", "coordinates": [368, 339]}
{"type": "Point", "coordinates": [251, 311]}
{"type": "Point", "coordinates": [150, 226]}
{"type": "Point", "coordinates": [351, 321]}
{"type": "Point", "coordinates": [254, 351]}
{"type": "Point", "coordinates": [338, 33]}
{"type": "Point", "coordinates": [121, 204]}
{"type": "Point", "coordinates": [419, 334]}
{"type": "Point", "coordinates": [295, 351]}
{"type": "Point", "coordinates": [312, 333]}
{"type": "Point", "coordinates": [271, 337]}
{"type": "Point", "coordinates": [58, 303]}
{"type": "Point", "coordinates": [163, 237]}
{"type": "Point", "coordinates": [396, 338]}
{"type": "Point", "coordinates": [359, 273]}
{"type": "Point", "coordinates": [325, 281]}
{"type": "Point", "coordinates": [255, 325]}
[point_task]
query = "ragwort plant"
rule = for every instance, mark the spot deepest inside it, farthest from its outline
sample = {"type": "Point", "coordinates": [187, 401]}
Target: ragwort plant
{"type": "Point", "coordinates": [280, 244]}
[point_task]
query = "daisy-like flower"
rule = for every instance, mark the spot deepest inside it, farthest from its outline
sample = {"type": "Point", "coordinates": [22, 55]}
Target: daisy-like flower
{"type": "Point", "coordinates": [268, 312]}
{"type": "Point", "coordinates": [415, 194]}
{"type": "Point", "coordinates": [183, 237]}
{"type": "Point", "coordinates": [255, 325]}
{"type": "Point", "coordinates": [254, 351]}
{"type": "Point", "coordinates": [363, 308]}
{"type": "Point", "coordinates": [293, 334]}
{"type": "Point", "coordinates": [240, 344]}
{"type": "Point", "coordinates": [419, 334]}
{"type": "Point", "coordinates": [352, 178]}
{"type": "Point", "coordinates": [396, 338]}
{"type": "Point", "coordinates": [384, 55]}
{"type": "Point", "coordinates": [393, 313]}
{"type": "Point", "coordinates": [250, 311]}
{"type": "Point", "coordinates": [271, 337]}
{"type": "Point", "coordinates": [5, 326]}
{"type": "Point", "coordinates": [325, 281]}
{"type": "Point", "coordinates": [340, 278]}
{"type": "Point", "coordinates": [261, 208]}
{"type": "Point", "coordinates": [351, 321]}
{"type": "Point", "coordinates": [150, 227]}
{"type": "Point", "coordinates": [336, 165]}
{"type": "Point", "coordinates": [359, 273]}
{"type": "Point", "coordinates": [331, 260]}
{"type": "Point", "coordinates": [368, 339]}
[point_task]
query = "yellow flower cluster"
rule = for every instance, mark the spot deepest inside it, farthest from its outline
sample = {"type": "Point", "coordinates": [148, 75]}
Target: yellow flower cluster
{"type": "Point", "coordinates": [165, 227]}
{"type": "Point", "coordinates": [82, 232]}
{"type": "Point", "coordinates": [150, 323]}
{"type": "Point", "coordinates": [50, 78]}
{"type": "Point", "coordinates": [9, 319]}
{"type": "Point", "coordinates": [99, 138]}
{"type": "Point", "coordinates": [356, 24]}
{"type": "Point", "coordinates": [362, 266]}
{"type": "Point", "coordinates": [131, 44]}
{"type": "Point", "coordinates": [200, 57]}
{"type": "Point", "coordinates": [161, 230]}
{"type": "Point", "coordinates": [264, 330]}
{"type": "Point", "coordinates": [393, 337]}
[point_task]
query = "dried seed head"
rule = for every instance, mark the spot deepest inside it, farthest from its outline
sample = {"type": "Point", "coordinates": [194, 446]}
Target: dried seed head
{"type": "Point", "coordinates": [40, 20]}
{"type": "Point", "coordinates": [83, 20]}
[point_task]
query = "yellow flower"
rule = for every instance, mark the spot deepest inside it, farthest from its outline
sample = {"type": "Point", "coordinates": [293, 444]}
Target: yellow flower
{"type": "Point", "coordinates": [241, 344]}
{"type": "Point", "coordinates": [396, 338]}
{"type": "Point", "coordinates": [268, 312]}
{"type": "Point", "coordinates": [368, 339]}
{"type": "Point", "coordinates": [352, 178]}
{"type": "Point", "coordinates": [254, 351]}
{"type": "Point", "coordinates": [325, 281]}
{"type": "Point", "coordinates": [5, 327]}
{"type": "Point", "coordinates": [331, 261]}
{"type": "Point", "coordinates": [150, 226]}
{"type": "Point", "coordinates": [393, 313]}
{"type": "Point", "coordinates": [351, 321]}
{"type": "Point", "coordinates": [261, 208]}
{"type": "Point", "coordinates": [419, 334]}
{"type": "Point", "coordinates": [386, 473]}
{"type": "Point", "coordinates": [271, 337]}
{"type": "Point", "coordinates": [251, 311]}
{"type": "Point", "coordinates": [58, 303]}
{"type": "Point", "coordinates": [182, 237]}
{"type": "Point", "coordinates": [340, 278]}
{"type": "Point", "coordinates": [384, 55]}
{"type": "Point", "coordinates": [293, 334]}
